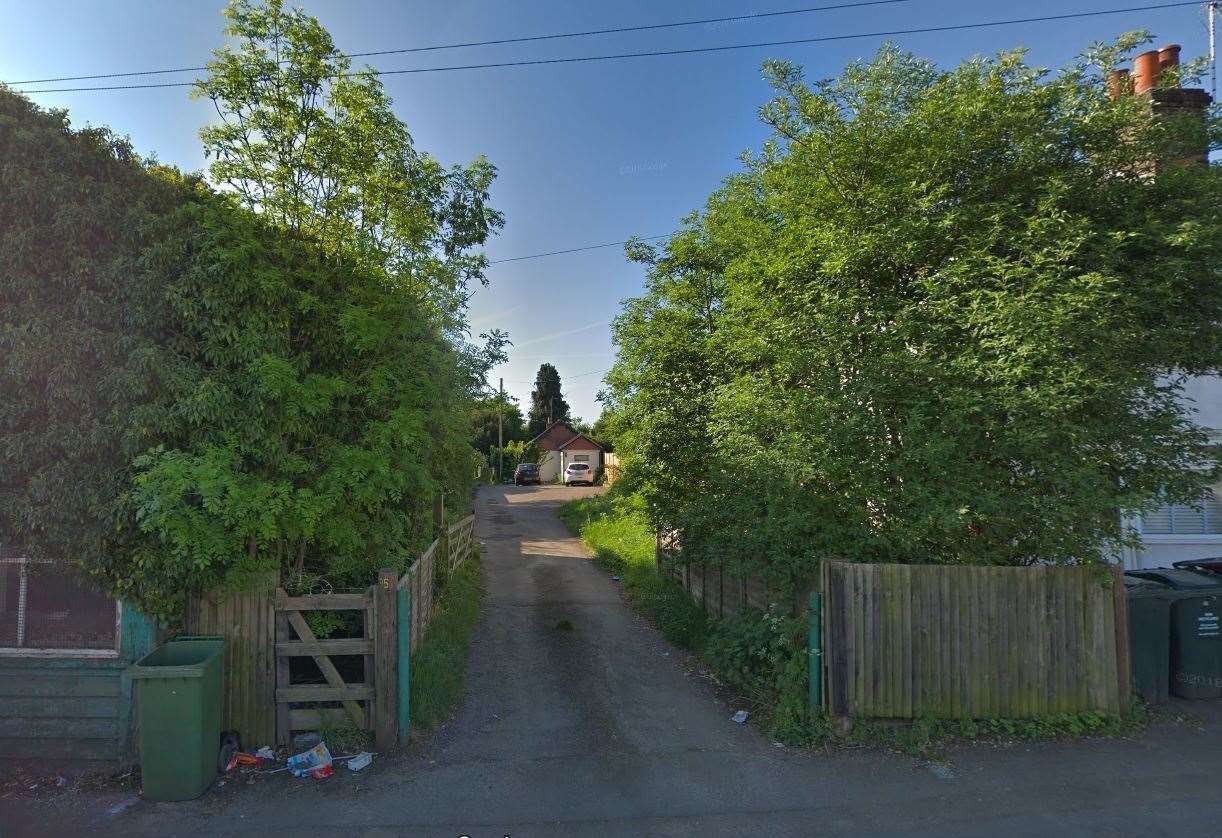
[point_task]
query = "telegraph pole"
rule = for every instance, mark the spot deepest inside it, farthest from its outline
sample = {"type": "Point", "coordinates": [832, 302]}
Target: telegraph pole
{"type": "Point", "coordinates": [1212, 11]}
{"type": "Point", "coordinates": [500, 436]}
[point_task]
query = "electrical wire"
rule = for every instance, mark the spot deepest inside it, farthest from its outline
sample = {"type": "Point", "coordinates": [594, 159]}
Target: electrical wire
{"type": "Point", "coordinates": [573, 250]}
{"type": "Point", "coordinates": [673, 52]}
{"type": "Point", "coordinates": [519, 40]}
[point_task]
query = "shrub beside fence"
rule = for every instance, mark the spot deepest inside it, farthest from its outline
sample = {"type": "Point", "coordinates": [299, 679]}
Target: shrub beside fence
{"type": "Point", "coordinates": [946, 641]}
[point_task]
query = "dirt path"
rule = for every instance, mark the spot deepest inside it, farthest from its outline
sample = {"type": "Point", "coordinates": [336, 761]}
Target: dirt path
{"type": "Point", "coordinates": [603, 729]}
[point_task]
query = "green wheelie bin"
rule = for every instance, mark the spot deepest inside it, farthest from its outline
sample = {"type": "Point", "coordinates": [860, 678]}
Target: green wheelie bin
{"type": "Point", "coordinates": [1196, 643]}
{"type": "Point", "coordinates": [178, 703]}
{"type": "Point", "coordinates": [1149, 637]}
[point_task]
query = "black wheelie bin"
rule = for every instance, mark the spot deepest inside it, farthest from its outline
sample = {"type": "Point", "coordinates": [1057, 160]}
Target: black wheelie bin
{"type": "Point", "coordinates": [1196, 642]}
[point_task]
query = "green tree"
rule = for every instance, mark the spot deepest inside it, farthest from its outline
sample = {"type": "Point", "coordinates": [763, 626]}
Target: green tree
{"type": "Point", "coordinates": [314, 146]}
{"type": "Point", "coordinates": [546, 401]}
{"type": "Point", "coordinates": [484, 418]}
{"type": "Point", "coordinates": [942, 316]}
{"type": "Point", "coordinates": [192, 390]}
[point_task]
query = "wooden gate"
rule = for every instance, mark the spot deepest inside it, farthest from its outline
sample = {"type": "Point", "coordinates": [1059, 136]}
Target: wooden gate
{"type": "Point", "coordinates": [370, 704]}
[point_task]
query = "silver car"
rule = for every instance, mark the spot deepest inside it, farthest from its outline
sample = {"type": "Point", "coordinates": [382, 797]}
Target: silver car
{"type": "Point", "coordinates": [578, 473]}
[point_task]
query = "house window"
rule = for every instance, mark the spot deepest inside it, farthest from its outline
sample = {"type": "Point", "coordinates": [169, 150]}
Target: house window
{"type": "Point", "coordinates": [581, 458]}
{"type": "Point", "coordinates": [1204, 518]}
{"type": "Point", "coordinates": [44, 607]}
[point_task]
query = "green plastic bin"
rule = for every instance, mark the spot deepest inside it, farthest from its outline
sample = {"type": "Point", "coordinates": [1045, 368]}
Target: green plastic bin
{"type": "Point", "coordinates": [1150, 637]}
{"type": "Point", "coordinates": [178, 705]}
{"type": "Point", "coordinates": [1196, 642]}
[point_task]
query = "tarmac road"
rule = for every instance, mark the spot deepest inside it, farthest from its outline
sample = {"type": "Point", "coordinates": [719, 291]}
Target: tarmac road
{"type": "Point", "coordinates": [580, 720]}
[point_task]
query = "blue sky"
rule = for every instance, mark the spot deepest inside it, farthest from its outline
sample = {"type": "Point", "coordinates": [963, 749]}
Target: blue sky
{"type": "Point", "coordinates": [587, 153]}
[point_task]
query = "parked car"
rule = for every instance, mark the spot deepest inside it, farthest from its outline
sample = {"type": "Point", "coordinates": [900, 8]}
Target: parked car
{"type": "Point", "coordinates": [578, 473]}
{"type": "Point", "coordinates": [526, 473]}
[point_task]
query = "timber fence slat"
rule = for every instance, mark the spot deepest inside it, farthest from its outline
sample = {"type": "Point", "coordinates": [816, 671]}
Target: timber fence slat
{"type": "Point", "coordinates": [317, 692]}
{"type": "Point", "coordinates": [322, 602]}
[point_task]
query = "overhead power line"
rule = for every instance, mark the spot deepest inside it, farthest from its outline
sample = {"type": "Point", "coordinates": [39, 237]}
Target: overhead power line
{"type": "Point", "coordinates": [570, 377]}
{"type": "Point", "coordinates": [690, 51]}
{"type": "Point", "coordinates": [519, 40]}
{"type": "Point", "coordinates": [572, 250]}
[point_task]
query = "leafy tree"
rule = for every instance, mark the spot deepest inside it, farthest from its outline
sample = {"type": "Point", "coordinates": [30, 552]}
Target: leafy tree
{"type": "Point", "coordinates": [942, 316]}
{"type": "Point", "coordinates": [484, 419]}
{"type": "Point", "coordinates": [604, 429]}
{"type": "Point", "coordinates": [315, 146]}
{"type": "Point", "coordinates": [193, 390]}
{"type": "Point", "coordinates": [546, 401]}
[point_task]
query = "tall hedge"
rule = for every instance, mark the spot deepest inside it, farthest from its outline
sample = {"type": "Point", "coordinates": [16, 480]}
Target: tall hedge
{"type": "Point", "coordinates": [942, 316]}
{"type": "Point", "coordinates": [189, 393]}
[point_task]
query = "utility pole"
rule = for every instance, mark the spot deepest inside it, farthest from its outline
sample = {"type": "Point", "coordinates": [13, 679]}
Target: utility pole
{"type": "Point", "coordinates": [500, 436]}
{"type": "Point", "coordinates": [1212, 11]}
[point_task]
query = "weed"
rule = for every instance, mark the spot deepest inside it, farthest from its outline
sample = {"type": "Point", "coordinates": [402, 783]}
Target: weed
{"type": "Point", "coordinates": [439, 663]}
{"type": "Point", "coordinates": [343, 737]}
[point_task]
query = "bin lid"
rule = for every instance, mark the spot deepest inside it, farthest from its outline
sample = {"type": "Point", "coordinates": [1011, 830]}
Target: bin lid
{"type": "Point", "coordinates": [1180, 579]}
{"type": "Point", "coordinates": [1134, 585]}
{"type": "Point", "coordinates": [1214, 563]}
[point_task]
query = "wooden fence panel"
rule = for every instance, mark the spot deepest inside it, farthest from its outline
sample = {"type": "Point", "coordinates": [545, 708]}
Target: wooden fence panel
{"type": "Point", "coordinates": [247, 620]}
{"type": "Point", "coordinates": [906, 641]}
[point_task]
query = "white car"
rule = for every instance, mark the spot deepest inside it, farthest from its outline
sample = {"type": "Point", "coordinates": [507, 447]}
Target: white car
{"type": "Point", "coordinates": [578, 473]}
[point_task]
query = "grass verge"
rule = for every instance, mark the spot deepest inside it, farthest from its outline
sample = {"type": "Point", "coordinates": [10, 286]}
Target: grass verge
{"type": "Point", "coordinates": [617, 529]}
{"type": "Point", "coordinates": [763, 655]}
{"type": "Point", "coordinates": [439, 664]}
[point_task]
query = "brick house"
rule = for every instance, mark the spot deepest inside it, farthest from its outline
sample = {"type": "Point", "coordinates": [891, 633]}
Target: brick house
{"type": "Point", "coordinates": [560, 445]}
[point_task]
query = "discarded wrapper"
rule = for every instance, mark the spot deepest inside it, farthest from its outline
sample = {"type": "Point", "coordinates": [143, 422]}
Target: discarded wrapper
{"type": "Point", "coordinates": [266, 753]}
{"type": "Point", "coordinates": [740, 716]}
{"type": "Point", "coordinates": [361, 760]}
{"type": "Point", "coordinates": [307, 762]}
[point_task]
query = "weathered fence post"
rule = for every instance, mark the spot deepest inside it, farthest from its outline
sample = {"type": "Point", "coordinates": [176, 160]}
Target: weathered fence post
{"type": "Point", "coordinates": [386, 644]}
{"type": "Point", "coordinates": [439, 527]}
{"type": "Point", "coordinates": [403, 595]}
{"type": "Point", "coordinates": [815, 618]}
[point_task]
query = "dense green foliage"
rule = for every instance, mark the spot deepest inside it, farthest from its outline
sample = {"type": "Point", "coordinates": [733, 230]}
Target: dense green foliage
{"type": "Point", "coordinates": [439, 665]}
{"type": "Point", "coordinates": [547, 403]}
{"type": "Point", "coordinates": [942, 316]}
{"type": "Point", "coordinates": [194, 384]}
{"type": "Point", "coordinates": [484, 418]}
{"type": "Point", "coordinates": [73, 210]}
{"type": "Point", "coordinates": [306, 412]}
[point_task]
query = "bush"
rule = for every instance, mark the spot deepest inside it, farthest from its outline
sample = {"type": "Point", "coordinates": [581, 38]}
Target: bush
{"type": "Point", "coordinates": [439, 664]}
{"type": "Point", "coordinates": [188, 393]}
{"type": "Point", "coordinates": [763, 655]}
